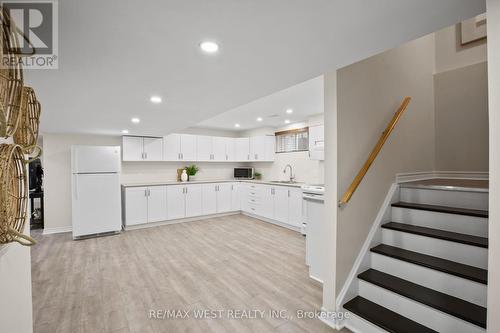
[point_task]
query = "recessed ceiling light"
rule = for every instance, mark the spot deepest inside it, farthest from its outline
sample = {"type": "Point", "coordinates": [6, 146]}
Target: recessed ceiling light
{"type": "Point", "coordinates": [125, 131]}
{"type": "Point", "coordinates": [287, 121]}
{"type": "Point", "coordinates": [289, 111]}
{"type": "Point", "coordinates": [209, 47]}
{"type": "Point", "coordinates": [135, 120]}
{"type": "Point", "coordinates": [236, 125]}
{"type": "Point", "coordinates": [259, 119]}
{"type": "Point", "coordinates": [155, 99]}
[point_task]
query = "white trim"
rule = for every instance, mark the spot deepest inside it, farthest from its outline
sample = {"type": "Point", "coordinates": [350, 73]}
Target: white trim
{"type": "Point", "coordinates": [386, 206]}
{"type": "Point", "coordinates": [316, 279]}
{"type": "Point", "coordinates": [414, 176]}
{"type": "Point", "coordinates": [57, 230]}
{"type": "Point", "coordinates": [183, 220]}
{"type": "Point", "coordinates": [281, 224]}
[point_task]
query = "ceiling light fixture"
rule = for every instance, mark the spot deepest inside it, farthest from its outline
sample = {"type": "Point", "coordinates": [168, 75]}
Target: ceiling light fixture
{"type": "Point", "coordinates": [289, 111]}
{"type": "Point", "coordinates": [209, 47]}
{"type": "Point", "coordinates": [236, 125]}
{"type": "Point", "coordinates": [135, 120]}
{"type": "Point", "coordinates": [259, 119]}
{"type": "Point", "coordinates": [287, 121]}
{"type": "Point", "coordinates": [125, 131]}
{"type": "Point", "coordinates": [155, 99]}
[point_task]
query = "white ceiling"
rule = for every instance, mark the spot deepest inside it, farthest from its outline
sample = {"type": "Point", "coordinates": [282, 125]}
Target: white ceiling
{"type": "Point", "coordinates": [304, 99]}
{"type": "Point", "coordinates": [115, 54]}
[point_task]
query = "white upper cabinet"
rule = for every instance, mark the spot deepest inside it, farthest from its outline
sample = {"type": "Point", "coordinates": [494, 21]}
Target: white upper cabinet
{"type": "Point", "coordinates": [270, 148]}
{"type": "Point", "coordinates": [219, 149]}
{"type": "Point", "coordinates": [242, 149]}
{"type": "Point", "coordinates": [317, 142]}
{"type": "Point", "coordinates": [153, 149]}
{"type": "Point", "coordinates": [204, 147]}
{"type": "Point", "coordinates": [230, 149]}
{"type": "Point", "coordinates": [262, 148]}
{"type": "Point", "coordinates": [179, 147]}
{"type": "Point", "coordinates": [136, 148]}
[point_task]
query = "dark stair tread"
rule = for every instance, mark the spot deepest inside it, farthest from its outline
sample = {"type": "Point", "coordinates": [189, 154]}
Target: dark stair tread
{"type": "Point", "coordinates": [383, 317]}
{"type": "Point", "coordinates": [447, 266]}
{"type": "Point", "coordinates": [454, 306]}
{"type": "Point", "coordinates": [442, 209]}
{"type": "Point", "coordinates": [439, 234]}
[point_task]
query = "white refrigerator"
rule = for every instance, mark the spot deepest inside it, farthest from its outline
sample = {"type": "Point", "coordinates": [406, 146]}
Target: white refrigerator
{"type": "Point", "coordinates": [96, 194]}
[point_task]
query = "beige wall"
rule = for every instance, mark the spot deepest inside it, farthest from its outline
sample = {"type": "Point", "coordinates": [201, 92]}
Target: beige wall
{"type": "Point", "coordinates": [15, 286]}
{"type": "Point", "coordinates": [450, 54]}
{"type": "Point", "coordinates": [368, 94]}
{"type": "Point", "coordinates": [493, 7]}
{"type": "Point", "coordinates": [461, 101]}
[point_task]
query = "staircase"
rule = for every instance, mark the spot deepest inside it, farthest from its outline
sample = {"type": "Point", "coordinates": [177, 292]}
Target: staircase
{"type": "Point", "coordinates": [428, 272]}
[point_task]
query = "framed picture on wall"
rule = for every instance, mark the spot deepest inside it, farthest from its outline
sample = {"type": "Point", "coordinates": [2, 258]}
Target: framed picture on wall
{"type": "Point", "coordinates": [473, 29]}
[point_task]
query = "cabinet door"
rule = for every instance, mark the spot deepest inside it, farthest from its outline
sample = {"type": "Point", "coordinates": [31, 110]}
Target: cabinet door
{"type": "Point", "coordinates": [257, 148]}
{"type": "Point", "coordinates": [193, 200]}
{"type": "Point", "coordinates": [295, 207]}
{"type": "Point", "coordinates": [230, 149]}
{"type": "Point", "coordinates": [219, 149]}
{"type": "Point", "coordinates": [153, 149]}
{"type": "Point", "coordinates": [235, 197]}
{"type": "Point", "coordinates": [172, 147]}
{"type": "Point", "coordinates": [266, 206]}
{"type": "Point", "coordinates": [317, 142]}
{"type": "Point", "coordinates": [157, 203]}
{"type": "Point", "coordinates": [176, 202]}
{"type": "Point", "coordinates": [224, 197]}
{"type": "Point", "coordinates": [188, 147]}
{"type": "Point", "coordinates": [243, 194]}
{"type": "Point", "coordinates": [209, 202]}
{"type": "Point", "coordinates": [280, 195]}
{"type": "Point", "coordinates": [270, 148]}
{"type": "Point", "coordinates": [136, 205]}
{"type": "Point", "coordinates": [132, 147]}
{"type": "Point", "coordinates": [204, 148]}
{"type": "Point", "coordinates": [242, 149]}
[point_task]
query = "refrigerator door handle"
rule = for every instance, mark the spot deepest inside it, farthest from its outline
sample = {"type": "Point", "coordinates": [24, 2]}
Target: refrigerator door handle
{"type": "Point", "coordinates": [76, 186]}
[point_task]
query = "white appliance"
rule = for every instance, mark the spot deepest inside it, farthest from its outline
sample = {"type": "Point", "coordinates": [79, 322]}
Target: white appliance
{"type": "Point", "coordinates": [314, 228]}
{"type": "Point", "coordinates": [96, 196]}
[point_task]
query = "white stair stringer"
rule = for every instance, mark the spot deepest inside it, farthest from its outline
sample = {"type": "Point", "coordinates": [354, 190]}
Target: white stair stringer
{"type": "Point", "coordinates": [423, 314]}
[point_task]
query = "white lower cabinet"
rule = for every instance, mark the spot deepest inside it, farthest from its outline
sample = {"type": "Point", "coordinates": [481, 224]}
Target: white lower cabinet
{"type": "Point", "coordinates": [295, 204]}
{"type": "Point", "coordinates": [209, 199]}
{"type": "Point", "coordinates": [280, 200]}
{"type": "Point", "coordinates": [184, 201]}
{"type": "Point", "coordinates": [224, 197]}
{"type": "Point", "coordinates": [235, 197]}
{"type": "Point", "coordinates": [145, 204]}
{"type": "Point", "coordinates": [193, 200]}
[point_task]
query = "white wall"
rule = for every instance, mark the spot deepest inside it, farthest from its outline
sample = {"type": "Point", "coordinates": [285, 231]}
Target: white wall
{"type": "Point", "coordinates": [450, 54]}
{"type": "Point", "coordinates": [493, 7]}
{"type": "Point", "coordinates": [16, 313]}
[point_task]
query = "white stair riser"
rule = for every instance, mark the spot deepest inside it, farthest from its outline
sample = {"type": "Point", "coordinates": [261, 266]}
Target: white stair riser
{"type": "Point", "coordinates": [465, 289]}
{"type": "Point", "coordinates": [359, 325]}
{"type": "Point", "coordinates": [462, 253]}
{"type": "Point", "coordinates": [469, 225]}
{"type": "Point", "coordinates": [472, 200]}
{"type": "Point", "coordinates": [416, 311]}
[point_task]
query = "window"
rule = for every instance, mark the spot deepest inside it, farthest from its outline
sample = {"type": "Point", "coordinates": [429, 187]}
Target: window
{"type": "Point", "coordinates": [292, 140]}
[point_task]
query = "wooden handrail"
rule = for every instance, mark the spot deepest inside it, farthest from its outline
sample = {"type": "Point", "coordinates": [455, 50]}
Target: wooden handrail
{"type": "Point", "coordinates": [373, 155]}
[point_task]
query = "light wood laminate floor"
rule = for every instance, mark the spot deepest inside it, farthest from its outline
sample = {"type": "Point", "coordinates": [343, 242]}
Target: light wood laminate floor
{"type": "Point", "coordinates": [110, 284]}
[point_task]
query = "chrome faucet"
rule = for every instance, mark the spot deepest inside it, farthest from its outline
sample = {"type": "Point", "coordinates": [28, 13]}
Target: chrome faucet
{"type": "Point", "coordinates": [292, 177]}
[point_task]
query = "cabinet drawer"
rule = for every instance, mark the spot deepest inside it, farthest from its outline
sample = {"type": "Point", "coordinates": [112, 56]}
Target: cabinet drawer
{"type": "Point", "coordinates": [253, 208]}
{"type": "Point", "coordinates": [253, 200]}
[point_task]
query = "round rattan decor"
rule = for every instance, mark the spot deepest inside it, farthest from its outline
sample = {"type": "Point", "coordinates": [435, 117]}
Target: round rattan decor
{"type": "Point", "coordinates": [26, 134]}
{"type": "Point", "coordinates": [13, 195]}
{"type": "Point", "coordinates": [11, 77]}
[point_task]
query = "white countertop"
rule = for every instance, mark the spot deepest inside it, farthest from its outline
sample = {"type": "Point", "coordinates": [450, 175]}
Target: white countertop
{"type": "Point", "coordinates": [212, 181]}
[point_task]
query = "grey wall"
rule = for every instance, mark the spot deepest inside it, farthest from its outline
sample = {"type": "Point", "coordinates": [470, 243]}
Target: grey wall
{"type": "Point", "coordinates": [461, 102]}
{"type": "Point", "coordinates": [368, 94]}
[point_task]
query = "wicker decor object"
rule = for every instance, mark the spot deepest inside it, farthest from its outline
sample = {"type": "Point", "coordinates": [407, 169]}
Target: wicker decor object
{"type": "Point", "coordinates": [26, 134]}
{"type": "Point", "coordinates": [11, 77]}
{"type": "Point", "coordinates": [13, 195]}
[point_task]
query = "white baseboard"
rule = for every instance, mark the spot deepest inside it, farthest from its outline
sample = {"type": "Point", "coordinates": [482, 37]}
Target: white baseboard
{"type": "Point", "coordinates": [414, 176]}
{"type": "Point", "coordinates": [284, 225]}
{"type": "Point", "coordinates": [57, 230]}
{"type": "Point", "coordinates": [365, 249]}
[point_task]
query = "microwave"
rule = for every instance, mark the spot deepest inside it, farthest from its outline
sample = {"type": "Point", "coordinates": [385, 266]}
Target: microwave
{"type": "Point", "coordinates": [246, 173]}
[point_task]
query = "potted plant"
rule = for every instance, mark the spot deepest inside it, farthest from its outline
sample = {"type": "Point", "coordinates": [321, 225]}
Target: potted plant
{"type": "Point", "coordinates": [257, 175]}
{"type": "Point", "coordinates": [191, 171]}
